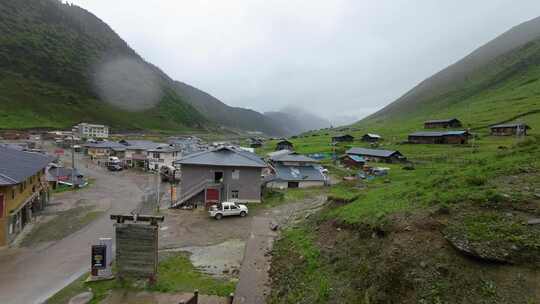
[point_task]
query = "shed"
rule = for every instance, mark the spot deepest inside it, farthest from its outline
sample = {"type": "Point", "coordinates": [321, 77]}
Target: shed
{"type": "Point", "coordinates": [448, 137]}
{"type": "Point", "coordinates": [342, 138]}
{"type": "Point", "coordinates": [370, 137]}
{"type": "Point", "coordinates": [389, 156]}
{"type": "Point", "coordinates": [352, 161]}
{"type": "Point", "coordinates": [509, 129]}
{"type": "Point", "coordinates": [296, 177]}
{"type": "Point", "coordinates": [442, 123]}
{"type": "Point", "coordinates": [284, 145]}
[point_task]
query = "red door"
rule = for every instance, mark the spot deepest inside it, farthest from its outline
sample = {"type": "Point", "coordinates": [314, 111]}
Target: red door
{"type": "Point", "coordinates": [212, 195]}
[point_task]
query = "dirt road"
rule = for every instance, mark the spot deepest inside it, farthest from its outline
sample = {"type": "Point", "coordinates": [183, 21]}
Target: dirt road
{"type": "Point", "coordinates": [31, 275]}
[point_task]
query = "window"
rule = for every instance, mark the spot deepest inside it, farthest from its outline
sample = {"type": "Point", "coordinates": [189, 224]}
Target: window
{"type": "Point", "coordinates": [155, 155]}
{"type": "Point", "coordinates": [234, 194]}
{"type": "Point", "coordinates": [226, 207]}
{"type": "Point", "coordinates": [235, 174]}
{"type": "Point", "coordinates": [234, 207]}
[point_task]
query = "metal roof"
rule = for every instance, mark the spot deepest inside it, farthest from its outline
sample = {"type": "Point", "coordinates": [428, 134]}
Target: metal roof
{"type": "Point", "coordinates": [438, 134]}
{"type": "Point", "coordinates": [165, 148]}
{"type": "Point", "coordinates": [278, 153]}
{"type": "Point", "coordinates": [372, 135]}
{"type": "Point", "coordinates": [224, 157]}
{"type": "Point", "coordinates": [293, 157]}
{"type": "Point", "coordinates": [511, 125]}
{"type": "Point", "coordinates": [140, 144]}
{"type": "Point", "coordinates": [356, 158]}
{"type": "Point", "coordinates": [104, 145]}
{"type": "Point", "coordinates": [300, 173]}
{"type": "Point", "coordinates": [16, 166]}
{"type": "Point", "coordinates": [441, 120]}
{"type": "Point", "coordinates": [371, 152]}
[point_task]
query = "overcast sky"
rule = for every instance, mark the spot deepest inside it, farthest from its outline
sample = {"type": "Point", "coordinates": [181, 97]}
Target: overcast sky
{"type": "Point", "coordinates": [334, 58]}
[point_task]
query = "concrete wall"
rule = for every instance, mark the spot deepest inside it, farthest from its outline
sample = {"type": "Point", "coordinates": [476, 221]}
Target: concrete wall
{"type": "Point", "coordinates": [304, 184]}
{"type": "Point", "coordinates": [248, 184]}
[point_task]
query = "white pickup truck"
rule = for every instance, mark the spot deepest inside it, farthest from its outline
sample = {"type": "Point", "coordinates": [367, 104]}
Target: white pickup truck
{"type": "Point", "coordinates": [227, 209]}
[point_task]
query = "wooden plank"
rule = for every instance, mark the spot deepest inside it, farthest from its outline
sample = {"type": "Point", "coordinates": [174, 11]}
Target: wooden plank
{"type": "Point", "coordinates": [136, 252]}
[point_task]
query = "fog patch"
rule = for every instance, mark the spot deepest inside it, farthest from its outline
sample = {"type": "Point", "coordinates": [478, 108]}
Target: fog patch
{"type": "Point", "coordinates": [128, 84]}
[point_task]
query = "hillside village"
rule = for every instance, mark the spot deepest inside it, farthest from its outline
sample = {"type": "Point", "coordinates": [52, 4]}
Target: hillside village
{"type": "Point", "coordinates": [435, 198]}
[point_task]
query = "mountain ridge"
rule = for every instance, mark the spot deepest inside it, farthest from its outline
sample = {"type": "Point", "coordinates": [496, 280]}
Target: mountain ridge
{"type": "Point", "coordinates": [496, 59]}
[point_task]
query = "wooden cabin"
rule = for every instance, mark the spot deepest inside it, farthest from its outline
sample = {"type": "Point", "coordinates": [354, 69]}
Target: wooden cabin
{"type": "Point", "coordinates": [442, 123]}
{"type": "Point", "coordinates": [342, 138]}
{"type": "Point", "coordinates": [449, 137]}
{"type": "Point", "coordinates": [377, 155]}
{"type": "Point", "coordinates": [284, 145]}
{"type": "Point", "coordinates": [511, 129]}
{"type": "Point", "coordinates": [370, 137]}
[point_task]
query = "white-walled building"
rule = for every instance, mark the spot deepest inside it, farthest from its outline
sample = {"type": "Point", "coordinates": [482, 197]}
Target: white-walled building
{"type": "Point", "coordinates": [162, 156]}
{"type": "Point", "coordinates": [91, 130]}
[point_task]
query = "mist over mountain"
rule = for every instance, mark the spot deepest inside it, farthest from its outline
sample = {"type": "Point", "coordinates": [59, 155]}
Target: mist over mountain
{"type": "Point", "coordinates": [295, 120]}
{"type": "Point", "coordinates": [508, 57]}
{"type": "Point", "coordinates": [60, 65]}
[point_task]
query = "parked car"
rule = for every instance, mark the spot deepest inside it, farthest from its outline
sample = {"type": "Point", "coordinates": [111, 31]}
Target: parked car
{"type": "Point", "coordinates": [114, 167]}
{"type": "Point", "coordinates": [227, 209]}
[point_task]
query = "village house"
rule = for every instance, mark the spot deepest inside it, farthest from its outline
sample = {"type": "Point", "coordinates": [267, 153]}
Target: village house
{"type": "Point", "coordinates": [284, 145]}
{"type": "Point", "coordinates": [352, 161]}
{"type": "Point", "coordinates": [442, 123]}
{"type": "Point", "coordinates": [387, 156]}
{"type": "Point", "coordinates": [188, 145]}
{"type": "Point", "coordinates": [517, 129]}
{"type": "Point", "coordinates": [136, 152]}
{"type": "Point", "coordinates": [61, 176]}
{"type": "Point", "coordinates": [448, 137]}
{"type": "Point", "coordinates": [23, 190]}
{"type": "Point", "coordinates": [162, 156]}
{"type": "Point", "coordinates": [222, 174]}
{"type": "Point", "coordinates": [103, 149]}
{"type": "Point", "coordinates": [86, 130]}
{"type": "Point", "coordinates": [370, 137]}
{"type": "Point", "coordinates": [293, 170]}
{"type": "Point", "coordinates": [342, 138]}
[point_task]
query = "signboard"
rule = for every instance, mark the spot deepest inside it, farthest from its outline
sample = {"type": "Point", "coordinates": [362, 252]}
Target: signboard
{"type": "Point", "coordinates": [59, 152]}
{"type": "Point", "coordinates": [99, 256]}
{"type": "Point", "coordinates": [136, 250]}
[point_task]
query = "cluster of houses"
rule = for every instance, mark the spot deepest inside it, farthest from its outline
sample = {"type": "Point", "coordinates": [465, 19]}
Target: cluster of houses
{"type": "Point", "coordinates": [145, 154]}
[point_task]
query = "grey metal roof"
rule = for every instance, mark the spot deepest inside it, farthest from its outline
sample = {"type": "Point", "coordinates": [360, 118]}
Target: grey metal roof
{"type": "Point", "coordinates": [105, 145]}
{"type": "Point", "coordinates": [511, 125]}
{"type": "Point", "coordinates": [224, 157]}
{"type": "Point", "coordinates": [441, 120]}
{"type": "Point", "coordinates": [140, 144]}
{"type": "Point", "coordinates": [293, 157]}
{"type": "Point", "coordinates": [438, 134]}
{"type": "Point", "coordinates": [372, 152]}
{"type": "Point", "coordinates": [300, 173]}
{"type": "Point", "coordinates": [165, 148]}
{"type": "Point", "coordinates": [278, 153]}
{"type": "Point", "coordinates": [372, 135]}
{"type": "Point", "coordinates": [16, 166]}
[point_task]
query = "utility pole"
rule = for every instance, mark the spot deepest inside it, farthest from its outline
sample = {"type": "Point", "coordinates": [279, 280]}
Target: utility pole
{"type": "Point", "coordinates": [157, 188]}
{"type": "Point", "coordinates": [72, 162]}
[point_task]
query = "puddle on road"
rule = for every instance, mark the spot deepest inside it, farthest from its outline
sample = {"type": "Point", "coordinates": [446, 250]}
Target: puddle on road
{"type": "Point", "coordinates": [221, 260]}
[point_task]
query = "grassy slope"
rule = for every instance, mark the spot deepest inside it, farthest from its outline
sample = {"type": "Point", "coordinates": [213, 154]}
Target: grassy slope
{"type": "Point", "coordinates": [508, 87]}
{"type": "Point", "coordinates": [388, 245]}
{"type": "Point", "coordinates": [47, 53]}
